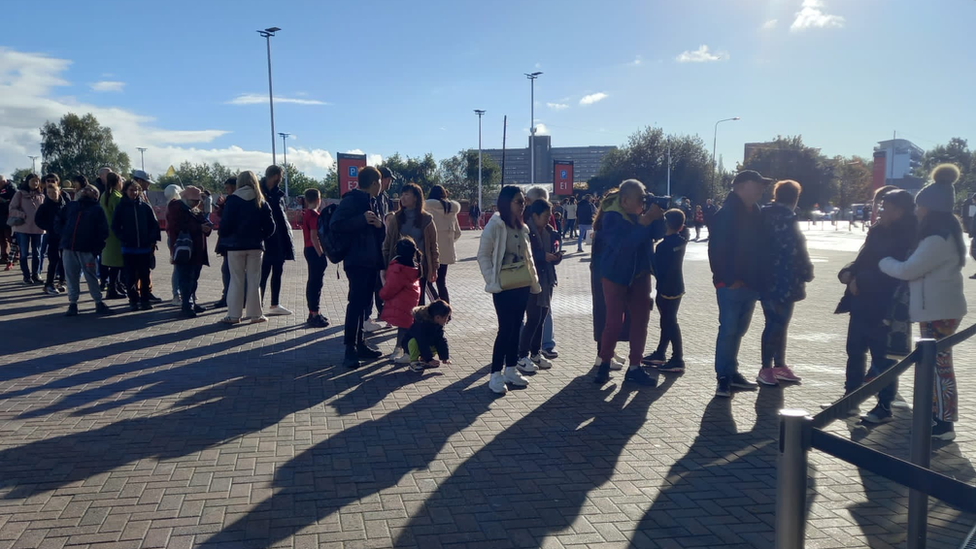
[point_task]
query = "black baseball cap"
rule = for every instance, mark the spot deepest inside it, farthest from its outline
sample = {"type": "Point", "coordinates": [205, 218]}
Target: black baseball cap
{"type": "Point", "coordinates": [385, 172]}
{"type": "Point", "coordinates": [750, 175]}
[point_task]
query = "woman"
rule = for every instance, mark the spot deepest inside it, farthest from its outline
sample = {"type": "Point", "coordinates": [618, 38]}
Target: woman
{"type": "Point", "coordinates": [596, 292]}
{"type": "Point", "coordinates": [112, 262]}
{"type": "Point", "coordinates": [136, 227]}
{"type": "Point", "coordinates": [45, 219]}
{"type": "Point", "coordinates": [7, 193]}
{"type": "Point", "coordinates": [934, 273]}
{"type": "Point", "coordinates": [173, 192]}
{"type": "Point", "coordinates": [445, 212]}
{"type": "Point", "coordinates": [279, 247]}
{"type": "Point", "coordinates": [411, 220]}
{"type": "Point", "coordinates": [474, 216]}
{"type": "Point", "coordinates": [699, 221]}
{"type": "Point", "coordinates": [246, 222]}
{"type": "Point", "coordinates": [24, 207]}
{"type": "Point", "coordinates": [505, 247]}
{"type": "Point", "coordinates": [83, 231]}
{"type": "Point", "coordinates": [184, 218]}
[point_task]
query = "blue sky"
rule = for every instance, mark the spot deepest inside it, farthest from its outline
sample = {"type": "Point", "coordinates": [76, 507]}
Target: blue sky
{"type": "Point", "coordinates": [381, 77]}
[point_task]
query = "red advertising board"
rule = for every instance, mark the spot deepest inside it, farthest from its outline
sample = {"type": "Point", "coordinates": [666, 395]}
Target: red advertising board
{"type": "Point", "coordinates": [562, 177]}
{"type": "Point", "coordinates": [880, 165]}
{"type": "Point", "coordinates": [348, 169]}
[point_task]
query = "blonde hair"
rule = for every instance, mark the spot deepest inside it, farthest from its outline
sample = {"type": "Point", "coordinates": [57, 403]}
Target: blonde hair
{"type": "Point", "coordinates": [248, 179]}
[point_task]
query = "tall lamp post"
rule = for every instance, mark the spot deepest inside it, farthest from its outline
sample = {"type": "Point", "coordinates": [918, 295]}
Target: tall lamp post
{"type": "Point", "coordinates": [715, 142]}
{"type": "Point", "coordinates": [480, 113]}
{"type": "Point", "coordinates": [532, 77]}
{"type": "Point", "coordinates": [284, 151]}
{"type": "Point", "coordinates": [33, 164]}
{"type": "Point", "coordinates": [267, 34]}
{"type": "Point", "coordinates": [142, 156]}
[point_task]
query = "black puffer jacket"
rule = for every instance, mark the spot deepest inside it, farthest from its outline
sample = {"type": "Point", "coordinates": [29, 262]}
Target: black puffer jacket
{"type": "Point", "coordinates": [278, 247]}
{"type": "Point", "coordinates": [428, 334]}
{"type": "Point", "coordinates": [135, 224]}
{"type": "Point", "coordinates": [47, 214]}
{"type": "Point", "coordinates": [364, 242]}
{"type": "Point", "coordinates": [734, 244]}
{"type": "Point", "coordinates": [243, 225]}
{"type": "Point", "coordinates": [82, 226]}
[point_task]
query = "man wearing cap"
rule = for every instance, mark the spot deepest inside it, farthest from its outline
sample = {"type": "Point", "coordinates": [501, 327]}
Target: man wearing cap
{"type": "Point", "coordinates": [144, 180]}
{"type": "Point", "coordinates": [734, 256]}
{"type": "Point", "coordinates": [384, 205]}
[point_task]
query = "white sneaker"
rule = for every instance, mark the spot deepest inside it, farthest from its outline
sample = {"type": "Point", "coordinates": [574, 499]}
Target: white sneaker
{"type": "Point", "coordinates": [526, 365]}
{"type": "Point", "coordinates": [278, 310]}
{"type": "Point", "coordinates": [497, 383]}
{"type": "Point", "coordinates": [542, 362]}
{"type": "Point", "coordinates": [177, 300]}
{"type": "Point", "coordinates": [616, 364]}
{"type": "Point", "coordinates": [369, 326]}
{"type": "Point", "coordinates": [513, 376]}
{"type": "Point", "coordinates": [401, 357]}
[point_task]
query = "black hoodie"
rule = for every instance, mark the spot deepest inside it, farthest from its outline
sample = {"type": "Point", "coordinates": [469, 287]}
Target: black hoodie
{"type": "Point", "coordinates": [428, 334]}
{"type": "Point", "coordinates": [82, 226]}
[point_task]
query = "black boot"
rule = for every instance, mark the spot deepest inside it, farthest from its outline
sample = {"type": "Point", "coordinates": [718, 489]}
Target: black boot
{"type": "Point", "coordinates": [102, 309]}
{"type": "Point", "coordinates": [602, 374]}
{"type": "Point", "coordinates": [367, 352]}
{"type": "Point", "coordinates": [72, 310]}
{"type": "Point", "coordinates": [351, 359]}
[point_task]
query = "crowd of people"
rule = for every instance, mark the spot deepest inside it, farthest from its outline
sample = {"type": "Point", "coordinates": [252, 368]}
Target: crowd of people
{"type": "Point", "coordinates": [396, 255]}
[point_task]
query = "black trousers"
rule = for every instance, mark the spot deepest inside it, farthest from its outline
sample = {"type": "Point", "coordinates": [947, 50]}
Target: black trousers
{"type": "Point", "coordinates": [362, 285]}
{"type": "Point", "coordinates": [862, 337]}
{"type": "Point", "coordinates": [274, 270]}
{"type": "Point", "coordinates": [509, 309]}
{"type": "Point", "coordinates": [670, 331]}
{"type": "Point", "coordinates": [316, 274]}
{"type": "Point", "coordinates": [54, 266]}
{"type": "Point", "coordinates": [137, 270]}
{"type": "Point", "coordinates": [535, 316]}
{"type": "Point", "coordinates": [188, 276]}
{"type": "Point", "coordinates": [225, 277]}
{"type": "Point", "coordinates": [442, 284]}
{"type": "Point", "coordinates": [375, 298]}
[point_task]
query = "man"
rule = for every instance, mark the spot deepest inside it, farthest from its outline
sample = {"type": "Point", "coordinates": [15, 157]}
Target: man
{"type": "Point", "coordinates": [358, 228]}
{"type": "Point", "coordinates": [734, 255]}
{"type": "Point", "coordinates": [278, 248]}
{"type": "Point", "coordinates": [101, 181]}
{"type": "Point", "coordinates": [709, 212]}
{"type": "Point", "coordinates": [584, 216]}
{"type": "Point", "coordinates": [144, 180]}
{"type": "Point", "coordinates": [7, 192]}
{"type": "Point", "coordinates": [384, 207]}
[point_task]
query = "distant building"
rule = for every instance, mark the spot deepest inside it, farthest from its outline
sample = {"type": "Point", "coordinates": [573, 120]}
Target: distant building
{"type": "Point", "coordinates": [586, 161]}
{"type": "Point", "coordinates": [900, 158]}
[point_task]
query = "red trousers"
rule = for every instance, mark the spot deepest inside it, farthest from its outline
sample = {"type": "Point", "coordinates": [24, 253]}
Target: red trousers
{"type": "Point", "coordinates": [635, 299]}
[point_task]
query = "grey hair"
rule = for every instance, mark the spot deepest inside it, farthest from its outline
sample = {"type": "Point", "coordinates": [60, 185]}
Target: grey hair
{"type": "Point", "coordinates": [632, 186]}
{"type": "Point", "coordinates": [537, 193]}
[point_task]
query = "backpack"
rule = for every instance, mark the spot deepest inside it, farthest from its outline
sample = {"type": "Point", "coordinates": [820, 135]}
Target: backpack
{"type": "Point", "coordinates": [334, 248]}
{"type": "Point", "coordinates": [183, 249]}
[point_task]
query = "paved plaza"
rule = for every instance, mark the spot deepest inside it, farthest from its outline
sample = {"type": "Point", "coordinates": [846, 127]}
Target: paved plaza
{"type": "Point", "coordinates": [147, 430]}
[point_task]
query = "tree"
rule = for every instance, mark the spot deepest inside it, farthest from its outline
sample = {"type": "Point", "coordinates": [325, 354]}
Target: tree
{"type": "Point", "coordinates": [330, 184]}
{"type": "Point", "coordinates": [298, 181]}
{"type": "Point", "coordinates": [209, 177]}
{"type": "Point", "coordinates": [80, 145]}
{"type": "Point", "coordinates": [422, 171]}
{"type": "Point", "coordinates": [789, 158]}
{"type": "Point", "coordinates": [854, 180]}
{"type": "Point", "coordinates": [459, 175]}
{"type": "Point", "coordinates": [18, 176]}
{"type": "Point", "coordinates": [955, 152]}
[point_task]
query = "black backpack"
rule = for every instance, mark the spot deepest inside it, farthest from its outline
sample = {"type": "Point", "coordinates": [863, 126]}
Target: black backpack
{"type": "Point", "coordinates": [333, 245]}
{"type": "Point", "coordinates": [183, 248]}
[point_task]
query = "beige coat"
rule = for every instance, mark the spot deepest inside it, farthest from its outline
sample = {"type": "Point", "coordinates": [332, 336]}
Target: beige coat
{"type": "Point", "coordinates": [448, 229]}
{"type": "Point", "coordinates": [431, 256]}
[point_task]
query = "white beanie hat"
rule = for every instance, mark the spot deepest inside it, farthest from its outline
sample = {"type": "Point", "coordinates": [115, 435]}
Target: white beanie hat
{"type": "Point", "coordinates": [172, 192]}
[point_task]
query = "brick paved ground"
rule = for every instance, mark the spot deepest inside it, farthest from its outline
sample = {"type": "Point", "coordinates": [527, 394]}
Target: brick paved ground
{"type": "Point", "coordinates": [144, 430]}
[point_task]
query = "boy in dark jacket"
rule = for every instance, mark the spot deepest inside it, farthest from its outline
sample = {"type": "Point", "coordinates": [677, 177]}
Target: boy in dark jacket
{"type": "Point", "coordinates": [358, 225]}
{"type": "Point", "coordinates": [134, 224]}
{"type": "Point", "coordinates": [426, 336]}
{"type": "Point", "coordinates": [626, 240]}
{"type": "Point", "coordinates": [668, 259]}
{"type": "Point", "coordinates": [83, 229]}
{"type": "Point", "coordinates": [46, 218]}
{"type": "Point", "coordinates": [585, 213]}
{"type": "Point", "coordinates": [544, 243]}
{"type": "Point", "coordinates": [786, 269]}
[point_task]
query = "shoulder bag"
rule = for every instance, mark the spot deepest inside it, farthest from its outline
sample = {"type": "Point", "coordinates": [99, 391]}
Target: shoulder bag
{"type": "Point", "coordinates": [516, 274]}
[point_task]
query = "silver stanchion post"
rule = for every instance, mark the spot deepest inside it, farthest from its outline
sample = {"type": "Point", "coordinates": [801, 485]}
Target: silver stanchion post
{"type": "Point", "coordinates": [921, 451]}
{"type": "Point", "coordinates": [791, 478]}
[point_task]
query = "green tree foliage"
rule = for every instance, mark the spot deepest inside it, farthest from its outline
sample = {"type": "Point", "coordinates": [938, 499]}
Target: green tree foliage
{"type": "Point", "coordinates": [459, 175]}
{"type": "Point", "coordinates": [210, 177]}
{"type": "Point", "coordinates": [422, 171]}
{"type": "Point", "coordinates": [789, 158]}
{"type": "Point", "coordinates": [854, 180]}
{"type": "Point", "coordinates": [956, 152]}
{"type": "Point", "coordinates": [80, 145]}
{"type": "Point", "coordinates": [19, 174]}
{"type": "Point", "coordinates": [645, 157]}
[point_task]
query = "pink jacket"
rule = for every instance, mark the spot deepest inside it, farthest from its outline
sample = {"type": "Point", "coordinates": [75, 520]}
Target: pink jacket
{"type": "Point", "coordinates": [24, 205]}
{"type": "Point", "coordinates": [400, 295]}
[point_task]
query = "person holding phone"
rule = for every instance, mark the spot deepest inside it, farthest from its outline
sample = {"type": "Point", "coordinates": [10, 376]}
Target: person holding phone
{"type": "Point", "coordinates": [544, 243]}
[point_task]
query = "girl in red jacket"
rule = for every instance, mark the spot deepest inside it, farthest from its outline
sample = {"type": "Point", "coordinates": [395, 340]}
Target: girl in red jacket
{"type": "Point", "coordinates": [401, 293]}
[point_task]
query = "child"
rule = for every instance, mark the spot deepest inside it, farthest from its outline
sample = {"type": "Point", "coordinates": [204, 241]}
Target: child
{"type": "Point", "coordinates": [314, 257]}
{"type": "Point", "coordinates": [401, 293]}
{"type": "Point", "coordinates": [426, 336]}
{"type": "Point", "coordinates": [137, 229]}
{"type": "Point", "coordinates": [668, 258]}
{"type": "Point", "coordinates": [45, 219]}
{"type": "Point", "coordinates": [543, 242]}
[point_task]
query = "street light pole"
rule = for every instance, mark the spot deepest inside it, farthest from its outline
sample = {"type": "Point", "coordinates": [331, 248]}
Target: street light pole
{"type": "Point", "coordinates": [532, 77]}
{"type": "Point", "coordinates": [284, 151]}
{"type": "Point", "coordinates": [267, 34]}
{"type": "Point", "coordinates": [715, 142]}
{"type": "Point", "coordinates": [480, 113]}
{"type": "Point", "coordinates": [142, 155]}
{"type": "Point", "coordinates": [33, 164]}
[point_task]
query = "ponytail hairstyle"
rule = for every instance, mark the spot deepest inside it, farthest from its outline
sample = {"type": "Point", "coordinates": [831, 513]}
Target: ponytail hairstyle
{"type": "Point", "coordinates": [441, 194]}
{"type": "Point", "coordinates": [407, 253]}
{"type": "Point", "coordinates": [112, 183]}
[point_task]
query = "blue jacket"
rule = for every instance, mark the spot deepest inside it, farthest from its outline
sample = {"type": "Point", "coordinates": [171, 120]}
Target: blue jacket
{"type": "Point", "coordinates": [786, 263]}
{"type": "Point", "coordinates": [244, 226]}
{"type": "Point", "coordinates": [363, 241]}
{"type": "Point", "coordinates": [82, 226]}
{"type": "Point", "coordinates": [625, 247]}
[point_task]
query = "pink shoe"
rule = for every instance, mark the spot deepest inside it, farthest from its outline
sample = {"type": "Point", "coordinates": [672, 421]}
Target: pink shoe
{"type": "Point", "coordinates": [767, 377]}
{"type": "Point", "coordinates": [783, 373]}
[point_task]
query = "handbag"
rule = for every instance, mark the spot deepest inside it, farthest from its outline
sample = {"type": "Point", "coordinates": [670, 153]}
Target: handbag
{"type": "Point", "coordinates": [15, 221]}
{"type": "Point", "coordinates": [516, 274]}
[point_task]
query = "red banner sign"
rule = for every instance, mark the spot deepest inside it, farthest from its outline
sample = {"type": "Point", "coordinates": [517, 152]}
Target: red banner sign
{"type": "Point", "coordinates": [562, 177]}
{"type": "Point", "coordinates": [348, 168]}
{"type": "Point", "coordinates": [880, 163]}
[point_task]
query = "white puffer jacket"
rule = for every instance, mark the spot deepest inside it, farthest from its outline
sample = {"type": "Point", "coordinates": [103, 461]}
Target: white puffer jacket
{"type": "Point", "coordinates": [935, 280]}
{"type": "Point", "coordinates": [448, 229]}
{"type": "Point", "coordinates": [491, 253]}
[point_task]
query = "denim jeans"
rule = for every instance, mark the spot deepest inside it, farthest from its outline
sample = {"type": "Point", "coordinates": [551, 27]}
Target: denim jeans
{"type": "Point", "coordinates": [735, 308]}
{"type": "Point", "coordinates": [583, 230]}
{"type": "Point", "coordinates": [30, 243]}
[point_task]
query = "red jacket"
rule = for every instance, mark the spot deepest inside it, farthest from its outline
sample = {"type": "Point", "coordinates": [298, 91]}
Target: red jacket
{"type": "Point", "coordinates": [400, 294]}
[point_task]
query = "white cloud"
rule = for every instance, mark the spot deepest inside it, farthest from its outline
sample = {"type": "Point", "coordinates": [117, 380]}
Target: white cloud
{"type": "Point", "coordinates": [371, 159]}
{"type": "Point", "coordinates": [541, 129]}
{"type": "Point", "coordinates": [637, 61]}
{"type": "Point", "coordinates": [701, 55]}
{"type": "Point", "coordinates": [812, 15]}
{"type": "Point", "coordinates": [592, 98]}
{"type": "Point", "coordinates": [771, 24]}
{"type": "Point", "coordinates": [258, 99]}
{"type": "Point", "coordinates": [108, 86]}
{"type": "Point", "coordinates": [557, 106]}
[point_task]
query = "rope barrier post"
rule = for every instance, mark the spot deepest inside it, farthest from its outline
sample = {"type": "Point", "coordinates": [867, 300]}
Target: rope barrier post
{"type": "Point", "coordinates": [921, 449]}
{"type": "Point", "coordinates": [791, 478]}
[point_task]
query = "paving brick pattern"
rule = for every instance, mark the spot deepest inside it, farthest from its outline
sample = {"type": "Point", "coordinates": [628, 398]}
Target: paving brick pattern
{"type": "Point", "coordinates": [147, 430]}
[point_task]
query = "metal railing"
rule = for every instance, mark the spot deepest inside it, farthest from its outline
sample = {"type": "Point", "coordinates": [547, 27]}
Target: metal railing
{"type": "Point", "coordinates": [799, 433]}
